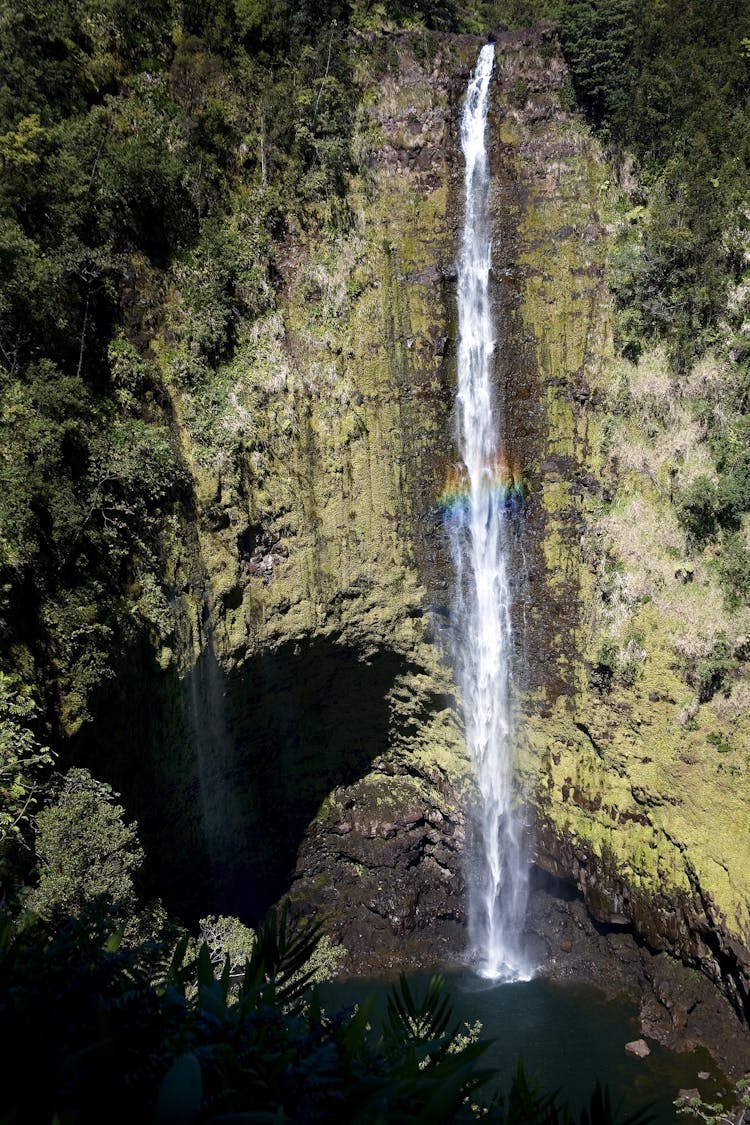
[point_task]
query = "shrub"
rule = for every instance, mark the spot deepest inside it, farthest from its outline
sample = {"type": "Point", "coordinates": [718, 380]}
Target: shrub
{"type": "Point", "coordinates": [605, 666]}
{"type": "Point", "coordinates": [85, 849]}
{"type": "Point", "coordinates": [23, 764]}
{"type": "Point", "coordinates": [697, 509]}
{"type": "Point", "coordinates": [713, 672]}
{"type": "Point", "coordinates": [734, 571]}
{"type": "Point", "coordinates": [103, 1032]}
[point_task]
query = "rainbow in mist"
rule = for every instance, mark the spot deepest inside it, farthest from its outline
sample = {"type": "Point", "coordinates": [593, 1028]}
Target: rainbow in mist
{"type": "Point", "coordinates": [504, 482]}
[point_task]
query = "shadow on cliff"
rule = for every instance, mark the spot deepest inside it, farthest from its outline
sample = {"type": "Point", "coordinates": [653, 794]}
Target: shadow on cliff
{"type": "Point", "coordinates": [225, 771]}
{"type": "Point", "coordinates": [290, 726]}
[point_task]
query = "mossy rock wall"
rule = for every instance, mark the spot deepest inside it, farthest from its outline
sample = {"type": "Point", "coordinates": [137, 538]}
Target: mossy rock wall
{"type": "Point", "coordinates": [638, 772]}
{"type": "Point", "coordinates": [303, 733]}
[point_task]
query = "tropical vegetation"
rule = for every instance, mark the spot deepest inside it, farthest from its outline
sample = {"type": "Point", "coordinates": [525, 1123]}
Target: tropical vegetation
{"type": "Point", "coordinates": [153, 159]}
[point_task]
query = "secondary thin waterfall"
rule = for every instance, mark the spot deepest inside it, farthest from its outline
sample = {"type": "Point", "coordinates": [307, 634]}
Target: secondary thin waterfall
{"type": "Point", "coordinates": [477, 523]}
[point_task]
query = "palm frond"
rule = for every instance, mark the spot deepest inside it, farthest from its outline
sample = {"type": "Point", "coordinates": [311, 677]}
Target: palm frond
{"type": "Point", "coordinates": [409, 1022]}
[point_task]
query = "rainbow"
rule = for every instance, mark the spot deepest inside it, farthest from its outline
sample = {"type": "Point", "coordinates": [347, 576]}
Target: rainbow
{"type": "Point", "coordinates": [503, 480]}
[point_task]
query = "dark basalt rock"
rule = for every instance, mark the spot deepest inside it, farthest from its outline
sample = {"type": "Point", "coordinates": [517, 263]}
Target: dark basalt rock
{"type": "Point", "coordinates": [686, 926]}
{"type": "Point", "coordinates": [679, 1006]}
{"type": "Point", "coordinates": [300, 734]}
{"type": "Point", "coordinates": [382, 868]}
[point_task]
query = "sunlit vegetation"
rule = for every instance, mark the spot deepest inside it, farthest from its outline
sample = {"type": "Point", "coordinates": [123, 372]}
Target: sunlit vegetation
{"type": "Point", "coordinates": [667, 86]}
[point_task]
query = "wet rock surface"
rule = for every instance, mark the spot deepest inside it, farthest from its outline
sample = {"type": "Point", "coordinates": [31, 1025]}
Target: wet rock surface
{"type": "Point", "coordinates": [679, 1007]}
{"type": "Point", "coordinates": [393, 892]}
{"type": "Point", "coordinates": [378, 874]}
{"type": "Point", "coordinates": [653, 832]}
{"type": "Point", "coordinates": [381, 867]}
{"type": "Point", "coordinates": [685, 925]}
{"type": "Point", "coordinates": [321, 578]}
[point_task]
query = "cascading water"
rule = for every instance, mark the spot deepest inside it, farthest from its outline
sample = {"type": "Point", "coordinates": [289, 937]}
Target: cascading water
{"type": "Point", "coordinates": [476, 521]}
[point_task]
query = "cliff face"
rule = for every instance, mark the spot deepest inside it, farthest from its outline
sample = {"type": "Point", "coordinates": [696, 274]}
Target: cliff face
{"type": "Point", "coordinates": [634, 720]}
{"type": "Point", "coordinates": [325, 575]}
{"type": "Point", "coordinates": [304, 732]}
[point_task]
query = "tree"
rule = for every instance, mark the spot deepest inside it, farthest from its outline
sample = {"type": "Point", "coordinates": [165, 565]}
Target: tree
{"type": "Point", "coordinates": [94, 1035]}
{"type": "Point", "coordinates": [227, 937]}
{"type": "Point", "coordinates": [264, 24]}
{"type": "Point", "coordinates": [23, 763]}
{"type": "Point", "coordinates": [85, 849]}
{"type": "Point", "coordinates": [597, 37]}
{"type": "Point", "coordinates": [695, 1107]}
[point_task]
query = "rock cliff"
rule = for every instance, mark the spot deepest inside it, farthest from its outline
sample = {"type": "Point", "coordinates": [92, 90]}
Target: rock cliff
{"type": "Point", "coordinates": [634, 723]}
{"type": "Point", "coordinates": [304, 733]}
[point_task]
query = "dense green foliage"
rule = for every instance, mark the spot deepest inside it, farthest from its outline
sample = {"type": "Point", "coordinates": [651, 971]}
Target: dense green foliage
{"type": "Point", "coordinates": [84, 849]}
{"type": "Point", "coordinates": [712, 510]}
{"type": "Point", "coordinates": [695, 1107]}
{"type": "Point", "coordinates": [142, 147]}
{"type": "Point", "coordinates": [23, 765]}
{"type": "Point", "coordinates": [102, 1032]}
{"type": "Point", "coordinates": [154, 158]}
{"type": "Point", "coordinates": [669, 82]}
{"type": "Point", "coordinates": [598, 40]}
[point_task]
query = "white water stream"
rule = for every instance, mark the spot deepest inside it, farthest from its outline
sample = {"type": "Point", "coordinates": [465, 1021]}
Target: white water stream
{"type": "Point", "coordinates": [477, 519]}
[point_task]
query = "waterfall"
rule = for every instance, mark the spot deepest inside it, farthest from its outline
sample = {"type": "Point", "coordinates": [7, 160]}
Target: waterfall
{"type": "Point", "coordinates": [481, 501]}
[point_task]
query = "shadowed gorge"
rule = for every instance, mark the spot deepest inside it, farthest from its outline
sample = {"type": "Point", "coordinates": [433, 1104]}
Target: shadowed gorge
{"type": "Point", "coordinates": [261, 750]}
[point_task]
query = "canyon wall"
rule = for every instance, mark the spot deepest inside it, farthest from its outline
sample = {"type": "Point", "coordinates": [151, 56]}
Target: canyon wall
{"type": "Point", "coordinates": [635, 727]}
{"type": "Point", "coordinates": [302, 728]}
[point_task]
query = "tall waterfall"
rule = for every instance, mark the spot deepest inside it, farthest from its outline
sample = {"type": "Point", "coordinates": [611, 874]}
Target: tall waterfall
{"type": "Point", "coordinates": [481, 502]}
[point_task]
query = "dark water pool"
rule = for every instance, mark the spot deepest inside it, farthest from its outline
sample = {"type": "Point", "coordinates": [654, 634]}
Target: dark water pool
{"type": "Point", "coordinates": [568, 1034]}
